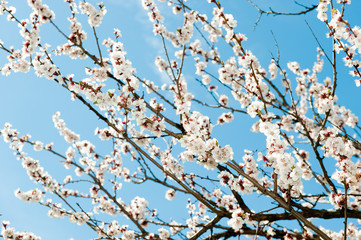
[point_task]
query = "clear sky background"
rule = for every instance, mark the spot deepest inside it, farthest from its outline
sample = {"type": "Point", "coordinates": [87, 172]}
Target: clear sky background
{"type": "Point", "coordinates": [28, 102]}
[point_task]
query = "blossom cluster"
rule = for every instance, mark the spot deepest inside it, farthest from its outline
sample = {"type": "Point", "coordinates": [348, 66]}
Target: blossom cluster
{"type": "Point", "coordinates": [9, 233]}
{"type": "Point", "coordinates": [32, 166]}
{"type": "Point", "coordinates": [94, 16]}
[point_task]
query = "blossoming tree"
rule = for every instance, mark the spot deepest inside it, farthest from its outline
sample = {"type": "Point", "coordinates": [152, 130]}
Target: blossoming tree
{"type": "Point", "coordinates": [160, 134]}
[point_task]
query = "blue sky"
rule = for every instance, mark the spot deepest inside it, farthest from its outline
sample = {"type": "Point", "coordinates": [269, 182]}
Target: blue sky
{"type": "Point", "coordinates": [28, 102]}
